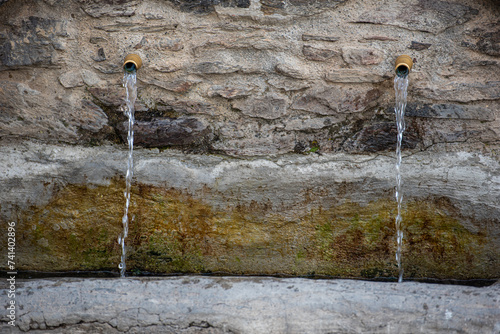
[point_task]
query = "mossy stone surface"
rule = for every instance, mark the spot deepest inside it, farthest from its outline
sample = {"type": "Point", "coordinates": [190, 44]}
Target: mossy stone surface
{"type": "Point", "coordinates": [172, 232]}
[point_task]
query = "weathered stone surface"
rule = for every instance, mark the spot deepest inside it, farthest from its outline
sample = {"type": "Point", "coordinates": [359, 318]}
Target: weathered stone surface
{"type": "Point", "coordinates": [461, 91]}
{"type": "Point", "coordinates": [171, 44]}
{"type": "Point", "coordinates": [353, 76]}
{"type": "Point", "coordinates": [288, 214]}
{"type": "Point", "coordinates": [111, 8]}
{"type": "Point", "coordinates": [362, 56]}
{"type": "Point", "coordinates": [488, 41]}
{"type": "Point", "coordinates": [318, 54]}
{"type": "Point", "coordinates": [289, 84]}
{"type": "Point", "coordinates": [419, 46]}
{"type": "Point", "coordinates": [308, 37]}
{"type": "Point", "coordinates": [93, 118]}
{"type": "Point", "coordinates": [272, 6]}
{"type": "Point", "coordinates": [167, 132]}
{"type": "Point", "coordinates": [216, 67]}
{"type": "Point", "coordinates": [380, 137]}
{"type": "Point", "coordinates": [187, 107]}
{"type": "Point", "coordinates": [256, 305]}
{"type": "Point", "coordinates": [423, 15]}
{"type": "Point", "coordinates": [451, 111]}
{"type": "Point", "coordinates": [71, 79]}
{"type": "Point", "coordinates": [291, 70]}
{"type": "Point", "coordinates": [108, 97]}
{"type": "Point", "coordinates": [135, 27]}
{"type": "Point", "coordinates": [259, 76]}
{"type": "Point", "coordinates": [35, 41]}
{"type": "Point", "coordinates": [207, 6]}
{"type": "Point", "coordinates": [306, 123]}
{"type": "Point", "coordinates": [25, 114]}
{"type": "Point", "coordinates": [177, 86]}
{"type": "Point", "coordinates": [229, 92]}
{"type": "Point", "coordinates": [332, 101]}
{"type": "Point", "coordinates": [268, 107]}
{"type": "Point", "coordinates": [378, 38]}
{"type": "Point", "coordinates": [101, 56]}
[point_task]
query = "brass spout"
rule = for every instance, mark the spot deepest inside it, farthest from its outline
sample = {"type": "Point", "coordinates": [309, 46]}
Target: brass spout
{"type": "Point", "coordinates": [132, 63]}
{"type": "Point", "coordinates": [404, 64]}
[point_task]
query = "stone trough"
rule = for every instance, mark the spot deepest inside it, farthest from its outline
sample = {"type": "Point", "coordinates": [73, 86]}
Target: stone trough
{"type": "Point", "coordinates": [253, 305]}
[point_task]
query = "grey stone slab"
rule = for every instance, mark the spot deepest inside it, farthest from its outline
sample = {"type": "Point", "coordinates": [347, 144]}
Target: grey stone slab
{"type": "Point", "coordinates": [251, 305]}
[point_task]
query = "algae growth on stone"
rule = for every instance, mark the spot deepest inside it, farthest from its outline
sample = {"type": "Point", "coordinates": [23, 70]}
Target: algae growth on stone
{"type": "Point", "coordinates": [172, 232]}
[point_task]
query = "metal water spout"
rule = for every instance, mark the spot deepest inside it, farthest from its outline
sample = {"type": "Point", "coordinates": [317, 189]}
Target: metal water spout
{"type": "Point", "coordinates": [132, 63]}
{"type": "Point", "coordinates": [404, 63]}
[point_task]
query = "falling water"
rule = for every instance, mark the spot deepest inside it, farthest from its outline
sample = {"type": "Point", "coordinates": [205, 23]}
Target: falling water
{"type": "Point", "coordinates": [400, 86]}
{"type": "Point", "coordinates": [129, 82]}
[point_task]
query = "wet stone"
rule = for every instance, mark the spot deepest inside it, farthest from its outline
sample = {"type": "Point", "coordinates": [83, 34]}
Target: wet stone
{"type": "Point", "coordinates": [380, 137]}
{"type": "Point", "coordinates": [450, 111]}
{"type": "Point", "coordinates": [167, 132]}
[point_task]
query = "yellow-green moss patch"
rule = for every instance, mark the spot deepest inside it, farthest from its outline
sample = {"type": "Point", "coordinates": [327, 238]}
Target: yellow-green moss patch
{"type": "Point", "coordinates": [171, 231]}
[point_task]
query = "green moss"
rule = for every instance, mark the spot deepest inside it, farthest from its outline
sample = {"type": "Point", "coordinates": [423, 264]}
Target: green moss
{"type": "Point", "coordinates": [173, 232]}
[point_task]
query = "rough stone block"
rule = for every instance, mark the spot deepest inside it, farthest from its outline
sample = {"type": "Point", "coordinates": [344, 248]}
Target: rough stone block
{"type": "Point", "coordinates": [381, 137]}
{"type": "Point", "coordinates": [167, 132]}
{"type": "Point", "coordinates": [353, 76]}
{"type": "Point", "coordinates": [460, 91]}
{"type": "Point", "coordinates": [419, 46]}
{"type": "Point", "coordinates": [308, 37]}
{"type": "Point", "coordinates": [216, 67]}
{"type": "Point", "coordinates": [99, 8]}
{"type": "Point", "coordinates": [423, 15]}
{"type": "Point", "coordinates": [362, 56]}
{"type": "Point", "coordinates": [318, 54]}
{"type": "Point", "coordinates": [229, 92]}
{"type": "Point", "coordinates": [337, 100]}
{"type": "Point", "coordinates": [33, 43]}
{"type": "Point", "coordinates": [450, 111]}
{"type": "Point", "coordinates": [268, 107]}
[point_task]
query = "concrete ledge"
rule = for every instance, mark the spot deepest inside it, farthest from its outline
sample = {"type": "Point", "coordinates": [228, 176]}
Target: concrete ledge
{"type": "Point", "coordinates": [250, 305]}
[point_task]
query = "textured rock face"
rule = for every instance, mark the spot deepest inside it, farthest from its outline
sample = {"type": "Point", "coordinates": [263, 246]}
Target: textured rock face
{"type": "Point", "coordinates": [243, 84]}
{"type": "Point", "coordinates": [259, 64]}
{"type": "Point", "coordinates": [251, 305]}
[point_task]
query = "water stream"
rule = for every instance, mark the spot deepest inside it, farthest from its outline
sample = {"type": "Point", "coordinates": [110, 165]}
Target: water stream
{"type": "Point", "coordinates": [400, 86]}
{"type": "Point", "coordinates": [129, 82]}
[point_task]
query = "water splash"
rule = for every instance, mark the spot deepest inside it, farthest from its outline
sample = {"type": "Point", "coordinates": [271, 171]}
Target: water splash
{"type": "Point", "coordinates": [129, 82]}
{"type": "Point", "coordinates": [400, 86]}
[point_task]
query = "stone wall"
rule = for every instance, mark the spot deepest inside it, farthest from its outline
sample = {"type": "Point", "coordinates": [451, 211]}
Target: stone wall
{"type": "Point", "coordinates": [233, 87]}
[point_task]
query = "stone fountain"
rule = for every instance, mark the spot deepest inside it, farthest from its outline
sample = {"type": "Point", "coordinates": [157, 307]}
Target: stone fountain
{"type": "Point", "coordinates": [264, 140]}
